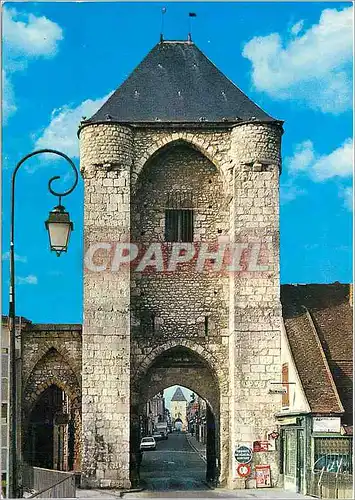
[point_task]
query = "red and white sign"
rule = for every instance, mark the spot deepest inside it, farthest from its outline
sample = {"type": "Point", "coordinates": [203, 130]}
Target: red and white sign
{"type": "Point", "coordinates": [244, 470]}
{"type": "Point", "coordinates": [261, 446]}
{"type": "Point", "coordinates": [263, 476]}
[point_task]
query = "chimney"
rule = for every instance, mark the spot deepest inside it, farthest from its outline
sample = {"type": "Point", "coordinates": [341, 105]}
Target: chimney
{"type": "Point", "coordinates": [351, 295]}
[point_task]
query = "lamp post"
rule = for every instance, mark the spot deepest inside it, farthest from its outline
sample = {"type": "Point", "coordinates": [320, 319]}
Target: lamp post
{"type": "Point", "coordinates": [59, 228]}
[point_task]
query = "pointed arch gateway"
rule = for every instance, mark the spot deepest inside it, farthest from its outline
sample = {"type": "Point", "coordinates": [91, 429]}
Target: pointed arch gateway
{"type": "Point", "coordinates": [179, 194]}
{"type": "Point", "coordinates": [52, 414]}
{"type": "Point", "coordinates": [189, 365]}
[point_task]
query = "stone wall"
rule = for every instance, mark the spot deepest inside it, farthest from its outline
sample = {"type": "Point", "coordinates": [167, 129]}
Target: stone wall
{"type": "Point", "coordinates": [130, 175]}
{"type": "Point", "coordinates": [256, 321]}
{"type": "Point", "coordinates": [105, 159]}
{"type": "Point", "coordinates": [179, 177]}
{"type": "Point", "coordinates": [51, 354]}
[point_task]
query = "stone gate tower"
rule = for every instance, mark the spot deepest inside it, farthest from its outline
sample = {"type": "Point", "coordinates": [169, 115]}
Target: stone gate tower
{"type": "Point", "coordinates": [179, 155]}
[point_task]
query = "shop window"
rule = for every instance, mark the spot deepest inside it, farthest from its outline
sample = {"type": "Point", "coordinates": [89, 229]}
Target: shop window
{"type": "Point", "coordinates": [3, 484]}
{"type": "Point", "coordinates": [290, 452]}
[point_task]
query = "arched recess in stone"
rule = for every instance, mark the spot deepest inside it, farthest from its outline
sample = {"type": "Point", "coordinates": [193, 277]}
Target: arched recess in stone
{"type": "Point", "coordinates": [42, 349]}
{"type": "Point", "coordinates": [53, 370]}
{"type": "Point", "coordinates": [188, 364]}
{"type": "Point", "coordinates": [182, 164]}
{"type": "Point", "coordinates": [181, 366]}
{"type": "Point", "coordinates": [209, 358]}
{"type": "Point", "coordinates": [179, 197]}
{"type": "Point", "coordinates": [200, 144]}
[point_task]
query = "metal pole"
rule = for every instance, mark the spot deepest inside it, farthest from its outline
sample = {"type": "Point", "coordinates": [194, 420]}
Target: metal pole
{"type": "Point", "coordinates": [13, 395]}
{"type": "Point", "coordinates": [13, 462]}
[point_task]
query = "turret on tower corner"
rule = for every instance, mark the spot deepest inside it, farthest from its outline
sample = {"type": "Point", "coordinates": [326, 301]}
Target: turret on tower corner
{"type": "Point", "coordinates": [178, 125]}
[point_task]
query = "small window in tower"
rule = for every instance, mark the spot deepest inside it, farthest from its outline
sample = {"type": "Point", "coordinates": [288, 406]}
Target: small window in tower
{"type": "Point", "coordinates": [179, 225]}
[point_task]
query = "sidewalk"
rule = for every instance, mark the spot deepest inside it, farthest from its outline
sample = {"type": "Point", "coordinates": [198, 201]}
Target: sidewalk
{"type": "Point", "coordinates": [197, 446]}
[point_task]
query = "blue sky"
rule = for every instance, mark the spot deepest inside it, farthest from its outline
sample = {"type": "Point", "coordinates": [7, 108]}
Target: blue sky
{"type": "Point", "coordinates": [62, 60]}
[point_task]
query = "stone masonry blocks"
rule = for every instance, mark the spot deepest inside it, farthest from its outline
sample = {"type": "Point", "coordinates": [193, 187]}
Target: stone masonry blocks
{"type": "Point", "coordinates": [233, 174]}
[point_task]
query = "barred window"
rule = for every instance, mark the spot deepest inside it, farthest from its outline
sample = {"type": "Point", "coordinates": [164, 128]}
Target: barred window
{"type": "Point", "coordinates": [179, 225]}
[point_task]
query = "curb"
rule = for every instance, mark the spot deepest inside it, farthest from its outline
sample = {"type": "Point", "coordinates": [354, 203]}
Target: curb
{"type": "Point", "coordinates": [195, 449]}
{"type": "Point", "coordinates": [133, 490]}
{"type": "Point", "coordinates": [116, 493]}
{"type": "Point", "coordinates": [208, 485]}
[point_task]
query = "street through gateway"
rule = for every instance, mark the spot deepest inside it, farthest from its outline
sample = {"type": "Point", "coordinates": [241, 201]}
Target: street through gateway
{"type": "Point", "coordinates": [177, 470]}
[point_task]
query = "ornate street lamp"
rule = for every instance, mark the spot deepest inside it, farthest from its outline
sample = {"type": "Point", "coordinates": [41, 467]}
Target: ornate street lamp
{"type": "Point", "coordinates": [59, 228]}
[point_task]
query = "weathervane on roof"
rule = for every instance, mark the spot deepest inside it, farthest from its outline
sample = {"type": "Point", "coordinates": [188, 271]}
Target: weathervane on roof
{"type": "Point", "coordinates": [191, 14]}
{"type": "Point", "coordinates": [163, 11]}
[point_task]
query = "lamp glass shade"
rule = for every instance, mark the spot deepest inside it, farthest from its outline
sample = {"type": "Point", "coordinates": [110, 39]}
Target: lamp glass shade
{"type": "Point", "coordinates": [59, 228]}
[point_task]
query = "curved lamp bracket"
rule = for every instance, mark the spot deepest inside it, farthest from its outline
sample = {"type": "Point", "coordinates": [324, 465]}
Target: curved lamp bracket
{"type": "Point", "coordinates": [58, 153]}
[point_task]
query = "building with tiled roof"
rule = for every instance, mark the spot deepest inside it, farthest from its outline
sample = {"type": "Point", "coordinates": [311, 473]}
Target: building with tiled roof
{"type": "Point", "coordinates": [317, 375]}
{"type": "Point", "coordinates": [319, 317]}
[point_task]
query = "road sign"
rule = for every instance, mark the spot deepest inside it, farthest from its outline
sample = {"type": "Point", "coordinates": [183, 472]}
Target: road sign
{"type": "Point", "coordinates": [281, 390]}
{"type": "Point", "coordinates": [243, 454]}
{"type": "Point", "coordinates": [244, 470]}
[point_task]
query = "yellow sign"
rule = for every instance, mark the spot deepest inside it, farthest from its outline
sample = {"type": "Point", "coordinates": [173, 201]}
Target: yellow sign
{"type": "Point", "coordinates": [287, 420]}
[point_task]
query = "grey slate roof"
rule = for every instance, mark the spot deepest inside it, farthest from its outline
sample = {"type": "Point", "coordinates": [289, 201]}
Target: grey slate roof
{"type": "Point", "coordinates": [178, 395]}
{"type": "Point", "coordinates": [177, 83]}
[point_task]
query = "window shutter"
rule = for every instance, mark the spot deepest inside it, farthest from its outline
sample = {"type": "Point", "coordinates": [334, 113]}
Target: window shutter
{"type": "Point", "coordinates": [286, 395]}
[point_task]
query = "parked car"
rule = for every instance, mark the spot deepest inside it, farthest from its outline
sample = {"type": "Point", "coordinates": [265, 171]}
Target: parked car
{"type": "Point", "coordinates": [162, 429]}
{"type": "Point", "coordinates": [148, 443]}
{"type": "Point", "coordinates": [157, 436]}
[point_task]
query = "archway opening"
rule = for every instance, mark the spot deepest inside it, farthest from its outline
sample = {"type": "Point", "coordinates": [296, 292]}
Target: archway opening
{"type": "Point", "coordinates": [50, 440]}
{"type": "Point", "coordinates": [183, 419]}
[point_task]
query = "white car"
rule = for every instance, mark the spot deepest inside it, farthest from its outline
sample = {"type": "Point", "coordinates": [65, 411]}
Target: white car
{"type": "Point", "coordinates": [148, 443]}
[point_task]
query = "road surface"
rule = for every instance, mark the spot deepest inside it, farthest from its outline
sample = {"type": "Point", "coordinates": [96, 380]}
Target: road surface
{"type": "Point", "coordinates": [175, 470]}
{"type": "Point", "coordinates": [173, 466]}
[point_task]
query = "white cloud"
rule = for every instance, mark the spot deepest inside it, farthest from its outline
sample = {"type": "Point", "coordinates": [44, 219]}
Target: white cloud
{"type": "Point", "coordinates": [62, 129]}
{"type": "Point", "coordinates": [338, 163]}
{"type": "Point", "coordinates": [347, 195]}
{"type": "Point", "coordinates": [25, 37]}
{"type": "Point", "coordinates": [319, 168]}
{"type": "Point", "coordinates": [313, 67]}
{"type": "Point", "coordinates": [18, 258]}
{"type": "Point", "coordinates": [289, 191]}
{"type": "Point", "coordinates": [30, 35]}
{"type": "Point", "coordinates": [302, 158]}
{"type": "Point", "coordinates": [297, 28]}
{"type": "Point", "coordinates": [8, 101]}
{"type": "Point", "coordinates": [27, 280]}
